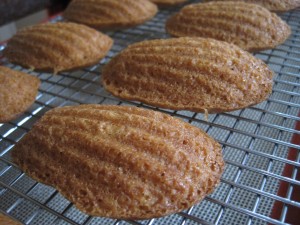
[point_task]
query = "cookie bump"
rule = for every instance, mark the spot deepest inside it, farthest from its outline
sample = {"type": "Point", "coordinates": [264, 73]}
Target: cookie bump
{"type": "Point", "coordinates": [121, 162]}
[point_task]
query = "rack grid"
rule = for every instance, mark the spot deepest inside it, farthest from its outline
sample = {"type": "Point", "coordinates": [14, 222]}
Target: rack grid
{"type": "Point", "coordinates": [261, 143]}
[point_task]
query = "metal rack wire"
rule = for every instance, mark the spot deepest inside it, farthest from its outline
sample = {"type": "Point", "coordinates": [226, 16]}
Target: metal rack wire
{"type": "Point", "coordinates": [260, 143]}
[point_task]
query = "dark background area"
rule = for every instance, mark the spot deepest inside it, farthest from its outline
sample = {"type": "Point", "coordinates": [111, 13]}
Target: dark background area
{"type": "Point", "coordinates": [11, 10]}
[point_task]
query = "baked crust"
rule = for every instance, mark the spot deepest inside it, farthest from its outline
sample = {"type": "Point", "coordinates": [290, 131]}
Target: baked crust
{"type": "Point", "coordinates": [18, 91]}
{"type": "Point", "coordinates": [110, 14]}
{"type": "Point", "coordinates": [5, 220]}
{"type": "Point", "coordinates": [249, 26]}
{"type": "Point", "coordinates": [57, 47]}
{"type": "Point", "coordinates": [197, 74]}
{"type": "Point", "coordinates": [272, 5]}
{"type": "Point", "coordinates": [121, 162]}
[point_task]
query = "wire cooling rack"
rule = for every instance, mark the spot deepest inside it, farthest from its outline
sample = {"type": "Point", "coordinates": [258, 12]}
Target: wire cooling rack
{"type": "Point", "coordinates": [260, 143]}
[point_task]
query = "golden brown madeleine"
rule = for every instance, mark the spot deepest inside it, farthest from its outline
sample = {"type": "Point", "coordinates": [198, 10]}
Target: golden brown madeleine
{"type": "Point", "coordinates": [249, 26]}
{"type": "Point", "coordinates": [197, 74]}
{"type": "Point", "coordinates": [57, 47]}
{"type": "Point", "coordinates": [272, 5]}
{"type": "Point", "coordinates": [17, 92]}
{"type": "Point", "coordinates": [121, 162]}
{"type": "Point", "coordinates": [110, 14]}
{"type": "Point", "coordinates": [165, 3]}
{"type": "Point", "coordinates": [5, 220]}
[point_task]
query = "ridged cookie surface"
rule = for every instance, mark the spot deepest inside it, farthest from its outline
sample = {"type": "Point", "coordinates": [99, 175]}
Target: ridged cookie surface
{"type": "Point", "coordinates": [272, 5]}
{"type": "Point", "coordinates": [57, 47]}
{"type": "Point", "coordinates": [121, 162]}
{"type": "Point", "coordinates": [167, 2]}
{"type": "Point", "coordinates": [5, 220]}
{"type": "Point", "coordinates": [249, 26]}
{"type": "Point", "coordinates": [197, 74]}
{"type": "Point", "coordinates": [17, 93]}
{"type": "Point", "coordinates": [110, 14]}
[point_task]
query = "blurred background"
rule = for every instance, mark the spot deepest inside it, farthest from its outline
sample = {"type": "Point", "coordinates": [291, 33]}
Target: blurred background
{"type": "Point", "coordinates": [15, 14]}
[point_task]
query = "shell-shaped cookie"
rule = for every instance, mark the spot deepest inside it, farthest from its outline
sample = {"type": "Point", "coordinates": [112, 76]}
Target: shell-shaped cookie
{"type": "Point", "coordinates": [110, 14]}
{"type": "Point", "coordinates": [57, 47]}
{"type": "Point", "coordinates": [249, 26]}
{"type": "Point", "coordinates": [5, 220]}
{"type": "Point", "coordinates": [165, 3]}
{"type": "Point", "coordinates": [197, 74]}
{"type": "Point", "coordinates": [17, 93]}
{"type": "Point", "coordinates": [272, 5]}
{"type": "Point", "coordinates": [121, 162]}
